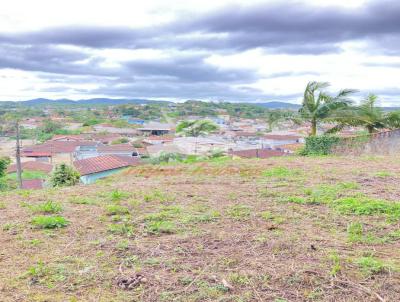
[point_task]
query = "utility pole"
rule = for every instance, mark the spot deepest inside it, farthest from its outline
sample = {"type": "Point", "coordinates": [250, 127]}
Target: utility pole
{"type": "Point", "coordinates": [18, 157]}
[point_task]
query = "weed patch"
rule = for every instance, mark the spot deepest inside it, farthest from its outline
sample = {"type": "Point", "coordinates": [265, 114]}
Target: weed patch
{"type": "Point", "coordinates": [114, 209]}
{"type": "Point", "coordinates": [49, 222]}
{"type": "Point", "coordinates": [370, 265]}
{"type": "Point", "coordinates": [239, 212]}
{"type": "Point", "coordinates": [281, 172]}
{"type": "Point", "coordinates": [366, 206]}
{"type": "Point", "coordinates": [48, 207]}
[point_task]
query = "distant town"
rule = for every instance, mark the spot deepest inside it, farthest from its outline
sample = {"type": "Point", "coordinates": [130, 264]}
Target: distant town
{"type": "Point", "coordinates": [98, 139]}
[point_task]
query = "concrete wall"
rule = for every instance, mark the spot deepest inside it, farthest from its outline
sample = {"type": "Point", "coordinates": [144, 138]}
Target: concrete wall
{"type": "Point", "coordinates": [91, 178]}
{"type": "Point", "coordinates": [382, 143]}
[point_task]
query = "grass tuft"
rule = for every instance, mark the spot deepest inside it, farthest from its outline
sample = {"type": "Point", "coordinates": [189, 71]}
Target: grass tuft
{"type": "Point", "coordinates": [49, 222]}
{"type": "Point", "coordinates": [48, 207]}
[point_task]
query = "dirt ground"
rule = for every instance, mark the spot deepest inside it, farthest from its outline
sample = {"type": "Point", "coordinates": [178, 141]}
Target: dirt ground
{"type": "Point", "coordinates": [283, 229]}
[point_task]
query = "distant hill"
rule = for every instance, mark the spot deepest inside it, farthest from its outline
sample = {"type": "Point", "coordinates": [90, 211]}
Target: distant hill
{"type": "Point", "coordinates": [86, 102]}
{"type": "Point", "coordinates": [278, 105]}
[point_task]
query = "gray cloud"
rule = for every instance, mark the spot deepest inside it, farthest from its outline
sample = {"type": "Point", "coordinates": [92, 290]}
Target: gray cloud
{"type": "Point", "coordinates": [285, 27]}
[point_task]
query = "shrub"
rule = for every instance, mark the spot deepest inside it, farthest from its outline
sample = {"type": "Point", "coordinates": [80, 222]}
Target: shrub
{"type": "Point", "coordinates": [4, 162]}
{"type": "Point", "coordinates": [64, 175]}
{"type": "Point", "coordinates": [49, 222]}
{"type": "Point", "coordinates": [166, 158]}
{"type": "Point", "coordinates": [320, 145]}
{"type": "Point", "coordinates": [121, 140]}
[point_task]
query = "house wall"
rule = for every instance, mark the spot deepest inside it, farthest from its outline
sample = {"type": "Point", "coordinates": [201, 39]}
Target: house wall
{"type": "Point", "coordinates": [62, 158]}
{"type": "Point", "coordinates": [91, 178]}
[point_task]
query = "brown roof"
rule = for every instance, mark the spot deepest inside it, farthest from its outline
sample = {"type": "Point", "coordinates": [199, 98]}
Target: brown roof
{"type": "Point", "coordinates": [32, 166]}
{"type": "Point", "coordinates": [160, 138]}
{"type": "Point", "coordinates": [258, 153]}
{"type": "Point", "coordinates": [104, 163]}
{"type": "Point", "coordinates": [54, 147]}
{"type": "Point", "coordinates": [28, 153]}
{"type": "Point", "coordinates": [68, 137]}
{"type": "Point", "coordinates": [32, 184]}
{"type": "Point", "coordinates": [244, 133]}
{"type": "Point", "coordinates": [118, 147]}
{"type": "Point", "coordinates": [291, 147]}
{"type": "Point", "coordinates": [281, 137]}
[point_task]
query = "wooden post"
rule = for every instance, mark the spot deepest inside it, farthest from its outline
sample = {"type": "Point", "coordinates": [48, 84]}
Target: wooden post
{"type": "Point", "coordinates": [18, 157]}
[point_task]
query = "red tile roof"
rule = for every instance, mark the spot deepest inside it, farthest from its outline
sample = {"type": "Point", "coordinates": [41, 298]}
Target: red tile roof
{"type": "Point", "coordinates": [32, 166]}
{"type": "Point", "coordinates": [58, 137]}
{"type": "Point", "coordinates": [104, 163]}
{"type": "Point", "coordinates": [118, 147]}
{"type": "Point", "coordinates": [160, 138]}
{"type": "Point", "coordinates": [55, 147]}
{"type": "Point", "coordinates": [27, 153]}
{"type": "Point", "coordinates": [281, 137]}
{"type": "Point", "coordinates": [258, 153]}
{"type": "Point", "coordinates": [32, 184]}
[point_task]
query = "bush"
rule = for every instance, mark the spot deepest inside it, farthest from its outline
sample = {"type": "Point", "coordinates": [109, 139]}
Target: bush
{"type": "Point", "coordinates": [166, 158]}
{"type": "Point", "coordinates": [121, 140]}
{"type": "Point", "coordinates": [320, 145]}
{"type": "Point", "coordinates": [63, 176]}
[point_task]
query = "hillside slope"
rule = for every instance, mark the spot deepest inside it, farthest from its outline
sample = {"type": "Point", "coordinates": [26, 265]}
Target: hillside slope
{"type": "Point", "coordinates": [284, 229]}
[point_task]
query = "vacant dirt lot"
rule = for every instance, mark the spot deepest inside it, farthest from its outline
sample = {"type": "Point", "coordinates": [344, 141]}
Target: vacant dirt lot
{"type": "Point", "coordinates": [284, 229]}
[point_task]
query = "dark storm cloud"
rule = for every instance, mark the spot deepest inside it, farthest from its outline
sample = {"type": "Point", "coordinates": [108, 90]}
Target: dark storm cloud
{"type": "Point", "coordinates": [188, 68]}
{"type": "Point", "coordinates": [286, 27]}
{"type": "Point", "coordinates": [50, 59]}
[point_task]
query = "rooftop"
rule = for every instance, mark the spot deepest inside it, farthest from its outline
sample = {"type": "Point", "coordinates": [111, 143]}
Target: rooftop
{"type": "Point", "coordinates": [104, 163]}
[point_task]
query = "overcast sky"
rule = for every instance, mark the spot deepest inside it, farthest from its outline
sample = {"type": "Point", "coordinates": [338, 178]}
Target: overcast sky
{"type": "Point", "coordinates": [197, 49]}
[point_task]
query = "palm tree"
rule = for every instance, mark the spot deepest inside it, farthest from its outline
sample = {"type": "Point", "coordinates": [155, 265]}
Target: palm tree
{"type": "Point", "coordinates": [369, 116]}
{"type": "Point", "coordinates": [272, 117]}
{"type": "Point", "coordinates": [319, 105]}
{"type": "Point", "coordinates": [196, 128]}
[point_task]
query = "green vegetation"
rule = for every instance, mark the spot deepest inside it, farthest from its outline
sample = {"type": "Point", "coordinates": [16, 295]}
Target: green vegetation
{"type": "Point", "coordinates": [48, 207]}
{"type": "Point", "coordinates": [281, 172]}
{"type": "Point", "coordinates": [319, 106]}
{"type": "Point", "coordinates": [63, 176]}
{"type": "Point", "coordinates": [326, 227]}
{"type": "Point", "coordinates": [370, 265]}
{"type": "Point", "coordinates": [116, 210]}
{"type": "Point", "coordinates": [49, 222]}
{"type": "Point", "coordinates": [196, 128]}
{"type": "Point", "coordinates": [369, 116]}
{"type": "Point", "coordinates": [320, 145]}
{"type": "Point", "coordinates": [239, 211]}
{"type": "Point", "coordinates": [366, 206]}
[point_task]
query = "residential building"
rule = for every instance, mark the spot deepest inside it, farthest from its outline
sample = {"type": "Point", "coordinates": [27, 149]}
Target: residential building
{"type": "Point", "coordinates": [98, 167]}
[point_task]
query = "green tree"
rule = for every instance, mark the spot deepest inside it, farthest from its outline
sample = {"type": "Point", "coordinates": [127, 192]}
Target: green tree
{"type": "Point", "coordinates": [318, 105]}
{"type": "Point", "coordinates": [273, 117]}
{"type": "Point", "coordinates": [63, 176]}
{"type": "Point", "coordinates": [50, 126]}
{"type": "Point", "coordinates": [369, 116]}
{"type": "Point", "coordinates": [4, 162]}
{"type": "Point", "coordinates": [196, 128]}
